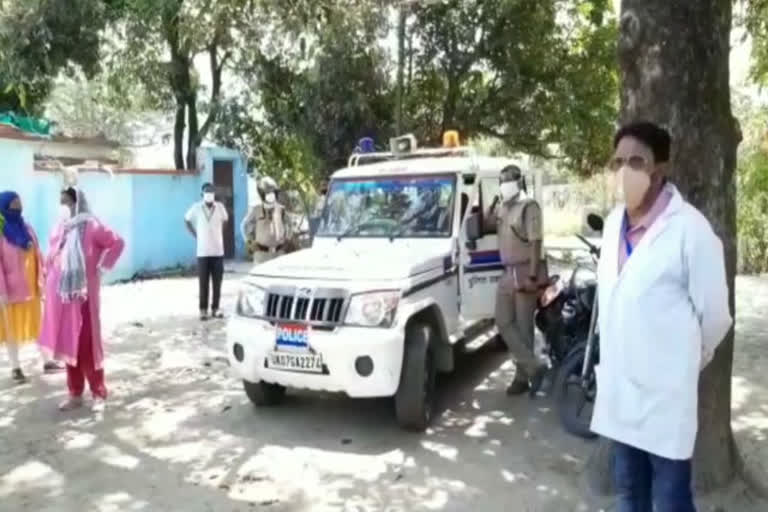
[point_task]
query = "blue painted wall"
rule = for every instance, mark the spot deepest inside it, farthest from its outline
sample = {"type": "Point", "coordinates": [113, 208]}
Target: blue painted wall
{"type": "Point", "coordinates": [147, 210]}
{"type": "Point", "coordinates": [160, 238]}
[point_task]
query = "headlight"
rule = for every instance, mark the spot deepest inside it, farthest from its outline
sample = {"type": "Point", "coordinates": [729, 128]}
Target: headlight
{"type": "Point", "coordinates": [374, 309]}
{"type": "Point", "coordinates": [251, 301]}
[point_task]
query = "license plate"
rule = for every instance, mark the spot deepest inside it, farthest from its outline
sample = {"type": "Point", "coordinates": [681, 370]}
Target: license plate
{"type": "Point", "coordinates": [292, 351]}
{"type": "Point", "coordinates": [311, 363]}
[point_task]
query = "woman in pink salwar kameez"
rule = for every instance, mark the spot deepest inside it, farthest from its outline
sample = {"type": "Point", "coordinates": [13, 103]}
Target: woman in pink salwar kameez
{"type": "Point", "coordinates": [79, 248]}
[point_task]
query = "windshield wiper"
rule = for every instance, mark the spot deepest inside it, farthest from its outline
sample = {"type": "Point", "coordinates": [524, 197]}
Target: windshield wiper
{"type": "Point", "coordinates": [351, 230]}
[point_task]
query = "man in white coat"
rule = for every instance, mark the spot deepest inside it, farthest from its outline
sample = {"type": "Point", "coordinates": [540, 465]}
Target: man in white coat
{"type": "Point", "coordinates": [663, 302]}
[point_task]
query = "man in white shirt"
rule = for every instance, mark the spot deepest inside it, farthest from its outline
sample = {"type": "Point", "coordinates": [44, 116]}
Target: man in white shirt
{"type": "Point", "coordinates": [206, 220]}
{"type": "Point", "coordinates": [663, 302]}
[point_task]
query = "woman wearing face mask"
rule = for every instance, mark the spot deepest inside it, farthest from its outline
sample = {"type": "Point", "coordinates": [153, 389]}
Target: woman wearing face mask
{"type": "Point", "coordinates": [264, 228]}
{"type": "Point", "coordinates": [663, 300]}
{"type": "Point", "coordinates": [21, 278]}
{"type": "Point", "coordinates": [79, 248]}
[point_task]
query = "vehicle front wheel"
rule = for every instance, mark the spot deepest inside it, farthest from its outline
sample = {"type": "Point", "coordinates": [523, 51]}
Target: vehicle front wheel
{"type": "Point", "coordinates": [263, 394]}
{"type": "Point", "coordinates": [414, 400]}
{"type": "Point", "coordinates": [575, 402]}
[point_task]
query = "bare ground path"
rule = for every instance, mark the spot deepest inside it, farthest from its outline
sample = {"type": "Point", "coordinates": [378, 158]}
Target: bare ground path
{"type": "Point", "coordinates": [179, 433]}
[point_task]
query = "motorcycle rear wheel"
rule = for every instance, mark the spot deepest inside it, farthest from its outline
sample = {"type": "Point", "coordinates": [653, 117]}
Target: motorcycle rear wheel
{"type": "Point", "coordinates": [575, 403]}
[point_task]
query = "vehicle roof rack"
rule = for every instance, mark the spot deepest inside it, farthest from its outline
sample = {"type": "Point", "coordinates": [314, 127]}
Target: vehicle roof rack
{"type": "Point", "coordinates": [360, 158]}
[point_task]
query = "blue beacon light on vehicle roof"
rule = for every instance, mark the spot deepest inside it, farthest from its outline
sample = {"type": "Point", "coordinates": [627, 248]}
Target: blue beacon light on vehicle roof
{"type": "Point", "coordinates": [366, 145]}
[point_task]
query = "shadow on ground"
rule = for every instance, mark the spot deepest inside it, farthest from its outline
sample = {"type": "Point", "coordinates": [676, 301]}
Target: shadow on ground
{"type": "Point", "coordinates": [179, 434]}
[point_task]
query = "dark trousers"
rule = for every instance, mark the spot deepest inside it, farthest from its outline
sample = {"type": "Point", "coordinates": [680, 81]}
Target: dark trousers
{"type": "Point", "coordinates": [210, 270]}
{"type": "Point", "coordinates": [649, 483]}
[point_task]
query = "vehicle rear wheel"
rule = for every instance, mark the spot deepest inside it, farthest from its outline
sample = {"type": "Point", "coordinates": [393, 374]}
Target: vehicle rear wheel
{"type": "Point", "coordinates": [574, 402]}
{"type": "Point", "coordinates": [414, 400]}
{"type": "Point", "coordinates": [263, 394]}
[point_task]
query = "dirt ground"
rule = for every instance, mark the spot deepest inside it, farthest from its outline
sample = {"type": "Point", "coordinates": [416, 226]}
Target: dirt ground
{"type": "Point", "coordinates": [179, 433]}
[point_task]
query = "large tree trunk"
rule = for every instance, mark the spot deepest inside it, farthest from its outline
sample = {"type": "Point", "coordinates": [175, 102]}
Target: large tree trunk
{"type": "Point", "coordinates": [674, 67]}
{"type": "Point", "coordinates": [179, 77]}
{"type": "Point", "coordinates": [193, 136]}
{"type": "Point", "coordinates": [197, 135]}
{"type": "Point", "coordinates": [178, 134]}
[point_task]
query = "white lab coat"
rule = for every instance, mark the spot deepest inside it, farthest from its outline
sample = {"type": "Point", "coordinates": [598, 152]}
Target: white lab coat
{"type": "Point", "coordinates": [660, 321]}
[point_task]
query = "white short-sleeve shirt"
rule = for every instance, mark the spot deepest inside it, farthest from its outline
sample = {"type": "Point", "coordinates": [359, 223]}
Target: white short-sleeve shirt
{"type": "Point", "coordinates": [209, 226]}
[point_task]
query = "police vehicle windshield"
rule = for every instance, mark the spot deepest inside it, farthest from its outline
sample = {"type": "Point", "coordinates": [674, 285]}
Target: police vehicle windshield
{"type": "Point", "coordinates": [393, 207]}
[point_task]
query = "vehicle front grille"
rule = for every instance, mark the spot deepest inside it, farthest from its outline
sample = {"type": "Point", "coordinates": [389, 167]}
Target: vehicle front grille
{"type": "Point", "coordinates": [322, 306]}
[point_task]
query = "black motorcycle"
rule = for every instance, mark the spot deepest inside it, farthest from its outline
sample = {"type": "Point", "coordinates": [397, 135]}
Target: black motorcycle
{"type": "Point", "coordinates": [567, 316]}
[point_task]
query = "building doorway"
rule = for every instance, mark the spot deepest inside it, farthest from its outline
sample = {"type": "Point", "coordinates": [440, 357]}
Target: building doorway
{"type": "Point", "coordinates": [223, 180]}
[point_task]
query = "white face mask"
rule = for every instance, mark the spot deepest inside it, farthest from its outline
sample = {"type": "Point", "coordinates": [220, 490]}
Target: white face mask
{"type": "Point", "coordinates": [64, 212]}
{"type": "Point", "coordinates": [510, 190]}
{"type": "Point", "coordinates": [270, 197]}
{"type": "Point", "coordinates": [634, 186]}
{"type": "Point", "coordinates": [208, 197]}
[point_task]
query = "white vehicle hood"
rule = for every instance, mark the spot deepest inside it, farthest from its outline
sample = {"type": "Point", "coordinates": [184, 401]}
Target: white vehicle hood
{"type": "Point", "coordinates": [345, 262]}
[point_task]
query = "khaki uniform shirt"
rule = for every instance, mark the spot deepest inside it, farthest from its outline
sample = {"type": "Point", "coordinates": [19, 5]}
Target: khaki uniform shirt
{"type": "Point", "coordinates": [518, 225]}
{"type": "Point", "coordinates": [266, 226]}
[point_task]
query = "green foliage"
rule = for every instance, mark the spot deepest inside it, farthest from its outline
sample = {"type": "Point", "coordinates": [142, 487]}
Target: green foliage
{"type": "Point", "coordinates": [156, 46]}
{"type": "Point", "coordinates": [752, 186]}
{"type": "Point", "coordinates": [89, 108]}
{"type": "Point", "coordinates": [310, 78]}
{"type": "Point", "coordinates": [307, 102]}
{"type": "Point", "coordinates": [754, 16]}
{"type": "Point", "coordinates": [511, 71]}
{"type": "Point", "coordinates": [539, 76]}
{"type": "Point", "coordinates": [41, 38]}
{"type": "Point", "coordinates": [285, 157]}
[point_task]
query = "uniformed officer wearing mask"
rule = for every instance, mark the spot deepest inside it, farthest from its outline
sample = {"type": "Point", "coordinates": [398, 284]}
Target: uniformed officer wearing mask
{"type": "Point", "coordinates": [265, 226]}
{"type": "Point", "coordinates": [519, 228]}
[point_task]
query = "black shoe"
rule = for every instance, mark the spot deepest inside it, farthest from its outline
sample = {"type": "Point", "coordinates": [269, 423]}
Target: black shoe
{"type": "Point", "coordinates": [203, 316]}
{"type": "Point", "coordinates": [18, 376]}
{"type": "Point", "coordinates": [537, 380]}
{"type": "Point", "coordinates": [517, 387]}
{"type": "Point", "coordinates": [218, 315]}
{"type": "Point", "coordinates": [52, 367]}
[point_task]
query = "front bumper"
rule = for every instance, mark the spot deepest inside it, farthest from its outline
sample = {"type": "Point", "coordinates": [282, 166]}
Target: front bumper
{"type": "Point", "coordinates": [340, 348]}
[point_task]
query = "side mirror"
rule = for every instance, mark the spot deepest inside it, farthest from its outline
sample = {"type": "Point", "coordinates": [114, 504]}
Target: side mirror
{"type": "Point", "coordinates": [595, 222]}
{"type": "Point", "coordinates": [474, 230]}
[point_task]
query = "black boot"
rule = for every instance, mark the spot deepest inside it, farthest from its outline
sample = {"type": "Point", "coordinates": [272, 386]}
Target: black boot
{"type": "Point", "coordinates": [52, 367]}
{"type": "Point", "coordinates": [18, 376]}
{"type": "Point", "coordinates": [518, 386]}
{"type": "Point", "coordinates": [537, 380]}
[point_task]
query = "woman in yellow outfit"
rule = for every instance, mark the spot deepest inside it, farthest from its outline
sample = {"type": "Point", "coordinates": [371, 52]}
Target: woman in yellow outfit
{"type": "Point", "coordinates": [21, 280]}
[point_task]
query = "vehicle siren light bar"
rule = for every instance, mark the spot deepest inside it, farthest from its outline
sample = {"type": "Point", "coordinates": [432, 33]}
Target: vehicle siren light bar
{"type": "Point", "coordinates": [451, 139]}
{"type": "Point", "coordinates": [367, 145]}
{"type": "Point", "coordinates": [403, 144]}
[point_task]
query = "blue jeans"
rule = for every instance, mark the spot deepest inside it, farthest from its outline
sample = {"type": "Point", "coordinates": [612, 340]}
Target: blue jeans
{"type": "Point", "coordinates": [648, 483]}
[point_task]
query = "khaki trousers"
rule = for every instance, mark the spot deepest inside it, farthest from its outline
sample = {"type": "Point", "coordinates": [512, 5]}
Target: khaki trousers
{"type": "Point", "coordinates": [514, 317]}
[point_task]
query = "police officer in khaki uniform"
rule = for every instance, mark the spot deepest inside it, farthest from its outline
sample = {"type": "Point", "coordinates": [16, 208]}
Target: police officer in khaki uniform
{"type": "Point", "coordinates": [519, 228]}
{"type": "Point", "coordinates": [265, 228]}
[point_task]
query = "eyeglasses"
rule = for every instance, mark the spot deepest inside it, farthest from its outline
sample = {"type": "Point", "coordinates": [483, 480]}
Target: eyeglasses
{"type": "Point", "coordinates": [638, 163]}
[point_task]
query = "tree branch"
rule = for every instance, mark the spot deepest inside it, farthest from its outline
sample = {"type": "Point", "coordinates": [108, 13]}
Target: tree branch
{"type": "Point", "coordinates": [217, 67]}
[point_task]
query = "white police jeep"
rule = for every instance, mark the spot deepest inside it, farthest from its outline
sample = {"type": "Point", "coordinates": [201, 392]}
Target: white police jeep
{"type": "Point", "coordinates": [398, 274]}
